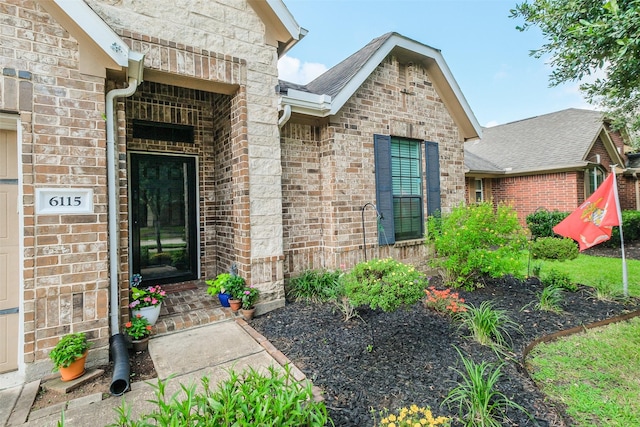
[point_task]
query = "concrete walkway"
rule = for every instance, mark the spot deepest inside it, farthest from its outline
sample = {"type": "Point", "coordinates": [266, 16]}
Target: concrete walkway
{"type": "Point", "coordinates": [189, 355]}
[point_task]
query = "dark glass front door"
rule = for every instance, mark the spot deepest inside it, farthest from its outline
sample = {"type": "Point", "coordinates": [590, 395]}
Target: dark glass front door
{"type": "Point", "coordinates": [163, 217]}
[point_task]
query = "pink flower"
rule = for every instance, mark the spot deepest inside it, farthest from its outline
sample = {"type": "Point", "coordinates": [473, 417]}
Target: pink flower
{"type": "Point", "coordinates": [147, 299]}
{"type": "Point", "coordinates": [247, 292]}
{"type": "Point", "coordinates": [163, 293]}
{"type": "Point", "coordinates": [154, 301]}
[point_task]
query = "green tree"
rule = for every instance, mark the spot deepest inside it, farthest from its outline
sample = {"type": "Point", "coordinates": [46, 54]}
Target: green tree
{"type": "Point", "coordinates": [585, 37]}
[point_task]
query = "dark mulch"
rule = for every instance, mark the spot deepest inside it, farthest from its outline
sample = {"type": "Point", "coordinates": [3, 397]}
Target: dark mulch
{"type": "Point", "coordinates": [390, 360]}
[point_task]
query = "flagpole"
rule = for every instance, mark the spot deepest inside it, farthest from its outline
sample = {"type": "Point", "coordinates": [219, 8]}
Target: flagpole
{"type": "Point", "coordinates": [625, 278]}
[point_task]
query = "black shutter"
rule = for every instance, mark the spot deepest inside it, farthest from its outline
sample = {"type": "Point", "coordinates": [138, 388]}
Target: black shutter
{"type": "Point", "coordinates": [433, 177]}
{"type": "Point", "coordinates": [384, 188]}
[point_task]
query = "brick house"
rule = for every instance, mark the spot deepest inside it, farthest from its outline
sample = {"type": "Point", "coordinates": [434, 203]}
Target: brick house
{"type": "Point", "coordinates": [554, 161]}
{"type": "Point", "coordinates": [161, 142]}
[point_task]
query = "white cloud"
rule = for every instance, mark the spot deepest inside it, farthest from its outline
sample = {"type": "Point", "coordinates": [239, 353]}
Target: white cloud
{"type": "Point", "coordinates": [292, 70]}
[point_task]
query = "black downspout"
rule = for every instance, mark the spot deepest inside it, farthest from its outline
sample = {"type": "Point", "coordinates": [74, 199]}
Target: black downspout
{"type": "Point", "coordinates": [121, 369]}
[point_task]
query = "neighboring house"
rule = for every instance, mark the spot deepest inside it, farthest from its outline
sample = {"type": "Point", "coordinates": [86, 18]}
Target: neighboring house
{"type": "Point", "coordinates": [162, 143]}
{"type": "Point", "coordinates": [554, 161]}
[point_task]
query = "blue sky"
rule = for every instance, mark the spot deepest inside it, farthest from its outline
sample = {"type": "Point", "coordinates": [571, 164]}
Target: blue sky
{"type": "Point", "coordinates": [488, 57]}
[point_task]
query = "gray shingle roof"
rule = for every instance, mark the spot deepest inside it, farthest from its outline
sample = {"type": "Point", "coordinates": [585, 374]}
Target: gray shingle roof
{"type": "Point", "coordinates": [554, 140]}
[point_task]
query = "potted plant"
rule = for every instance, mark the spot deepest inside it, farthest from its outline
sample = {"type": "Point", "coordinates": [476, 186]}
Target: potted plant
{"type": "Point", "coordinates": [69, 355]}
{"type": "Point", "coordinates": [147, 302]}
{"type": "Point", "coordinates": [217, 288]}
{"type": "Point", "coordinates": [139, 330]}
{"type": "Point", "coordinates": [249, 298]}
{"type": "Point", "coordinates": [234, 285]}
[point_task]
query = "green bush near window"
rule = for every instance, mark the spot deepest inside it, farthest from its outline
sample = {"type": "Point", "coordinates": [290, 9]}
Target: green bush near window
{"type": "Point", "coordinates": [477, 240]}
{"type": "Point", "coordinates": [384, 283]}
{"type": "Point", "coordinates": [551, 248]}
{"type": "Point", "coordinates": [630, 229]}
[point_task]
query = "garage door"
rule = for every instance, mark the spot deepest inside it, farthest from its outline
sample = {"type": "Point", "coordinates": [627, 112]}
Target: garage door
{"type": "Point", "coordinates": [9, 268]}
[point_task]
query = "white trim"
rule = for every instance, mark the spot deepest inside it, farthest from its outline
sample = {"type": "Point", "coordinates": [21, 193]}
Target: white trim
{"type": "Point", "coordinates": [324, 105]}
{"type": "Point", "coordinates": [96, 29]}
{"type": "Point", "coordinates": [287, 19]}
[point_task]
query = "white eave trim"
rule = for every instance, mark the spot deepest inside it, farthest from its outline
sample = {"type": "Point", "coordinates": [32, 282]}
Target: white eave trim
{"type": "Point", "coordinates": [96, 29]}
{"type": "Point", "coordinates": [324, 105]}
{"type": "Point", "coordinates": [307, 103]}
{"type": "Point", "coordinates": [287, 19]}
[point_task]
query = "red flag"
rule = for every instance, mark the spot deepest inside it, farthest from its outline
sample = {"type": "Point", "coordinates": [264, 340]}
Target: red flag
{"type": "Point", "coordinates": [592, 222]}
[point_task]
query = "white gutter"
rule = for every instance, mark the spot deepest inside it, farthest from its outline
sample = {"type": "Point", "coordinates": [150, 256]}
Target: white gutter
{"type": "Point", "coordinates": [135, 70]}
{"type": "Point", "coordinates": [286, 115]}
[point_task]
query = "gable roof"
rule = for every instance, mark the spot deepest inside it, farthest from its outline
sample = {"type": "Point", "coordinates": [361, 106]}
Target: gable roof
{"type": "Point", "coordinates": [328, 93]}
{"type": "Point", "coordinates": [554, 141]}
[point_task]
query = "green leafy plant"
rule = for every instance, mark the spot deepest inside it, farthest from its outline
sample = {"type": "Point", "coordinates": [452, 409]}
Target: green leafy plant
{"type": "Point", "coordinates": [69, 348]}
{"type": "Point", "coordinates": [550, 298]}
{"type": "Point", "coordinates": [248, 398]}
{"type": "Point", "coordinates": [386, 284]}
{"type": "Point", "coordinates": [478, 401]}
{"type": "Point", "coordinates": [231, 284]}
{"type": "Point", "coordinates": [478, 240]}
{"type": "Point", "coordinates": [630, 229]}
{"type": "Point", "coordinates": [410, 417]}
{"type": "Point", "coordinates": [559, 279]}
{"type": "Point", "coordinates": [249, 297]}
{"type": "Point", "coordinates": [488, 325]}
{"type": "Point", "coordinates": [444, 301]}
{"type": "Point", "coordinates": [551, 248]}
{"type": "Point", "coordinates": [542, 221]}
{"type": "Point", "coordinates": [138, 327]}
{"type": "Point", "coordinates": [314, 286]}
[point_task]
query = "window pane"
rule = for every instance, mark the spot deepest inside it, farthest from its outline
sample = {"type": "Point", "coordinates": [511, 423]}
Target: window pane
{"type": "Point", "coordinates": [406, 173]}
{"type": "Point", "coordinates": [408, 217]}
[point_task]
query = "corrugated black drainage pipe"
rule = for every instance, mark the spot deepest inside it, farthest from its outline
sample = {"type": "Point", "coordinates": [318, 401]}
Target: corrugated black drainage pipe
{"type": "Point", "coordinates": [121, 369]}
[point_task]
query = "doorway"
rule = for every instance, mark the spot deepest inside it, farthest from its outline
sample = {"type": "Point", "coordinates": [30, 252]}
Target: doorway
{"type": "Point", "coordinates": [164, 214]}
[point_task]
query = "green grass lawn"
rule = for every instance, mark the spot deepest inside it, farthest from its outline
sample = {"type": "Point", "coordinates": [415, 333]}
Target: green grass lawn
{"type": "Point", "coordinates": [604, 274]}
{"type": "Point", "coordinates": [596, 374]}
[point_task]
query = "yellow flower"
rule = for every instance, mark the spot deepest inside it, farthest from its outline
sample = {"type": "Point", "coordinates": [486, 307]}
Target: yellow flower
{"type": "Point", "coordinates": [414, 409]}
{"type": "Point", "coordinates": [392, 425]}
{"type": "Point", "coordinates": [392, 417]}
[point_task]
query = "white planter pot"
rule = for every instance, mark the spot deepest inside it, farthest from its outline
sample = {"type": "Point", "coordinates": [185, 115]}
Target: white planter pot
{"type": "Point", "coordinates": [150, 313]}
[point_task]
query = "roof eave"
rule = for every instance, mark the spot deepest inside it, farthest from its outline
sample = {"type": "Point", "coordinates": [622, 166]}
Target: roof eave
{"type": "Point", "coordinates": [307, 103]}
{"type": "Point", "coordinates": [282, 29]}
{"type": "Point", "coordinates": [100, 47]}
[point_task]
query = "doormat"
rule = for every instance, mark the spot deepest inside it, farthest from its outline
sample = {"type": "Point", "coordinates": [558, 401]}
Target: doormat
{"type": "Point", "coordinates": [179, 287]}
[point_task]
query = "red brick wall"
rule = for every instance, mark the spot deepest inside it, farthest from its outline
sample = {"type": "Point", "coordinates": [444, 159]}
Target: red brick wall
{"type": "Point", "coordinates": [556, 191]}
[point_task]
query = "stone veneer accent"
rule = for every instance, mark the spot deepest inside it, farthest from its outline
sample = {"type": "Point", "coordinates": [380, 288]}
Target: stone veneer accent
{"type": "Point", "coordinates": [329, 174]}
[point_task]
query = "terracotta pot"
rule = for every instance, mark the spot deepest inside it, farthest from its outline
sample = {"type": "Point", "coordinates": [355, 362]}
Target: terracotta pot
{"type": "Point", "coordinates": [74, 370]}
{"type": "Point", "coordinates": [235, 304]}
{"type": "Point", "coordinates": [248, 314]}
{"type": "Point", "coordinates": [140, 345]}
{"type": "Point", "coordinates": [150, 313]}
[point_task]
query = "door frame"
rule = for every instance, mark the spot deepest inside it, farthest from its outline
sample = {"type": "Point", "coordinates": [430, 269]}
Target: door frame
{"type": "Point", "coordinates": [198, 264]}
{"type": "Point", "coordinates": [12, 122]}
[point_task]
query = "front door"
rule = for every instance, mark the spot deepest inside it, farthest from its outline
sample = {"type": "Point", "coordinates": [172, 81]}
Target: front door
{"type": "Point", "coordinates": [9, 251]}
{"type": "Point", "coordinates": [163, 218]}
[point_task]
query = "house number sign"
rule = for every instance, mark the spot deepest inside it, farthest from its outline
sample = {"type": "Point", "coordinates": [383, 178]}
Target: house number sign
{"type": "Point", "coordinates": [64, 201]}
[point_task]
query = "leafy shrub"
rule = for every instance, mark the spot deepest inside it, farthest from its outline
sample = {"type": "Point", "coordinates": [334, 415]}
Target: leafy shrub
{"type": "Point", "coordinates": [385, 284]}
{"type": "Point", "coordinates": [411, 417]}
{"type": "Point", "coordinates": [314, 286]}
{"type": "Point", "coordinates": [444, 301]}
{"type": "Point", "coordinates": [488, 325]}
{"type": "Point", "coordinates": [248, 398]}
{"type": "Point", "coordinates": [630, 229]}
{"type": "Point", "coordinates": [554, 248]}
{"type": "Point", "coordinates": [476, 396]}
{"type": "Point", "coordinates": [478, 240]}
{"type": "Point", "coordinates": [69, 348]}
{"type": "Point", "coordinates": [549, 298]}
{"type": "Point", "coordinates": [559, 279]}
{"type": "Point", "coordinates": [541, 222]}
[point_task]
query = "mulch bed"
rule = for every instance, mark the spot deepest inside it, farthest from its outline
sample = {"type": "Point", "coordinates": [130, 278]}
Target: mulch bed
{"type": "Point", "coordinates": [390, 360]}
